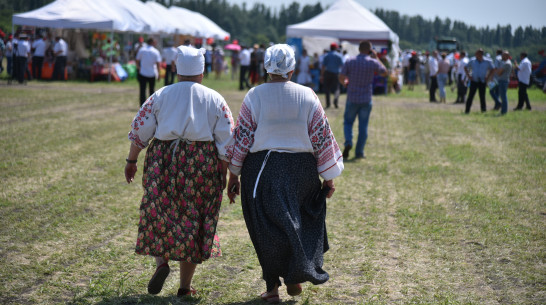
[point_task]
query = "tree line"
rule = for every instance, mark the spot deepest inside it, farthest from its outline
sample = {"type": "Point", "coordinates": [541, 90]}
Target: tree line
{"type": "Point", "coordinates": [262, 24]}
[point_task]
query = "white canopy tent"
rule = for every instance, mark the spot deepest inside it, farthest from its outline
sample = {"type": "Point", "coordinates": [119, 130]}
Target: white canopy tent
{"type": "Point", "coordinates": [169, 23]}
{"type": "Point", "coordinates": [206, 27]}
{"type": "Point", "coordinates": [121, 16]}
{"type": "Point", "coordinates": [346, 20]}
{"type": "Point", "coordinates": [108, 15]}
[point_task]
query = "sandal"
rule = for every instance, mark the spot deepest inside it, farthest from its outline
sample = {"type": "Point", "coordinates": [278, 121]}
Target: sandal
{"type": "Point", "coordinates": [158, 279]}
{"type": "Point", "coordinates": [272, 298]}
{"type": "Point", "coordinates": [182, 292]}
{"type": "Point", "coordinates": [293, 289]}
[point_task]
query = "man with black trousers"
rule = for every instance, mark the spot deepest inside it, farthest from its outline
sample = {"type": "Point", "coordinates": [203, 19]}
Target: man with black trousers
{"type": "Point", "coordinates": [524, 77]}
{"type": "Point", "coordinates": [482, 71]}
{"type": "Point", "coordinates": [148, 61]}
{"type": "Point", "coordinates": [433, 71]}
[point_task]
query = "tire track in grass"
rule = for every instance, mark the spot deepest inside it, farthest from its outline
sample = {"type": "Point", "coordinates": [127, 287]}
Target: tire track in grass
{"type": "Point", "coordinates": [411, 264]}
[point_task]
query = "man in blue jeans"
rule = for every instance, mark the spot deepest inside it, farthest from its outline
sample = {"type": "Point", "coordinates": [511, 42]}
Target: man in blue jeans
{"type": "Point", "coordinates": [503, 77]}
{"type": "Point", "coordinates": [357, 75]}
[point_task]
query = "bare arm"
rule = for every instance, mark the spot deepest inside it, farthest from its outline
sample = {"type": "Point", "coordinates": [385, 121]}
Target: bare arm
{"type": "Point", "coordinates": [374, 55]}
{"type": "Point", "coordinates": [343, 80]}
{"type": "Point", "coordinates": [490, 74]}
{"type": "Point", "coordinates": [131, 168]}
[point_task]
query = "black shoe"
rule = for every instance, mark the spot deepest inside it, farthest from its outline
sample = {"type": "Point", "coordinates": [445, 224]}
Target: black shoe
{"type": "Point", "coordinates": [346, 152]}
{"type": "Point", "coordinates": [497, 108]}
{"type": "Point", "coordinates": [517, 109]}
{"type": "Point", "coordinates": [528, 108]}
{"type": "Point", "coordinates": [360, 157]}
{"type": "Point", "coordinates": [158, 279]}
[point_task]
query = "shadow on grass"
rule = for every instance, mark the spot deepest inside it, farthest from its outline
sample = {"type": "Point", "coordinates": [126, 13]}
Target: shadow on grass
{"type": "Point", "coordinates": [166, 300]}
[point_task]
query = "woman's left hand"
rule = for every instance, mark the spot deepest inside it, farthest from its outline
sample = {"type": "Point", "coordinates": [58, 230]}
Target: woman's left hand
{"type": "Point", "coordinates": [330, 184]}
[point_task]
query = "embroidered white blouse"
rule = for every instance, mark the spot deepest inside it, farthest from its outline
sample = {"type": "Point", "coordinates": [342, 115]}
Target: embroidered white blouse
{"type": "Point", "coordinates": [285, 117]}
{"type": "Point", "coordinates": [184, 111]}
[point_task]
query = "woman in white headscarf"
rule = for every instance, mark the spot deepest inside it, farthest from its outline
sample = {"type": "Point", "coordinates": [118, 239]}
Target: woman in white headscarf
{"type": "Point", "coordinates": [283, 144]}
{"type": "Point", "coordinates": [190, 128]}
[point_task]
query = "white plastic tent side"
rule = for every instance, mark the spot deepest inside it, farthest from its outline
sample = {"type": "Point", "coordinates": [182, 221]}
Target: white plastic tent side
{"type": "Point", "coordinates": [168, 21]}
{"type": "Point", "coordinates": [68, 14]}
{"type": "Point", "coordinates": [205, 27]}
{"type": "Point", "coordinates": [111, 15]}
{"type": "Point", "coordinates": [128, 15]}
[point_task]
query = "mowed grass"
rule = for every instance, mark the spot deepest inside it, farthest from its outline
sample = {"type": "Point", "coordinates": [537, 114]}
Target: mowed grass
{"type": "Point", "coordinates": [446, 209]}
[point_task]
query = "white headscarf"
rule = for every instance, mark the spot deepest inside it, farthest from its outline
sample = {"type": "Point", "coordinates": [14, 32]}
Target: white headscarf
{"type": "Point", "coordinates": [280, 59]}
{"type": "Point", "coordinates": [190, 61]}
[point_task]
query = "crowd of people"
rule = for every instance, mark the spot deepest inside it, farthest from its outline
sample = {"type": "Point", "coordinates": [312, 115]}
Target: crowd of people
{"type": "Point", "coordinates": [467, 76]}
{"type": "Point", "coordinates": [21, 49]}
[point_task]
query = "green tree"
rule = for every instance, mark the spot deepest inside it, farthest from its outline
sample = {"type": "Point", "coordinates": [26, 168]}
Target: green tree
{"type": "Point", "coordinates": [518, 37]}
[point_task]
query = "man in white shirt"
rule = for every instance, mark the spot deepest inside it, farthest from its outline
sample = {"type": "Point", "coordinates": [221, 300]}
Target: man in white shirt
{"type": "Point", "coordinates": [169, 55]}
{"type": "Point", "coordinates": [60, 51]}
{"type": "Point", "coordinates": [524, 77]}
{"type": "Point", "coordinates": [23, 52]}
{"type": "Point", "coordinates": [244, 62]}
{"type": "Point", "coordinates": [38, 48]}
{"type": "Point", "coordinates": [148, 62]}
{"type": "Point", "coordinates": [461, 78]}
{"type": "Point", "coordinates": [433, 70]}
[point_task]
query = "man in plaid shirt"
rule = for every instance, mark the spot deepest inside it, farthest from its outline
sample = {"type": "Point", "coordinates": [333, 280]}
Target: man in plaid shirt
{"type": "Point", "coordinates": [357, 75]}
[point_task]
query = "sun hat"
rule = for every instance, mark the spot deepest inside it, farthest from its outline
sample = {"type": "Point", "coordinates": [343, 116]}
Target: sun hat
{"type": "Point", "coordinates": [280, 59]}
{"type": "Point", "coordinates": [190, 61]}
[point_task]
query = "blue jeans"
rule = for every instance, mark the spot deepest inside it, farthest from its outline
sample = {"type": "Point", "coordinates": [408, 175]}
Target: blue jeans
{"type": "Point", "coordinates": [502, 88]}
{"type": "Point", "coordinates": [442, 80]}
{"type": "Point", "coordinates": [495, 95]}
{"type": "Point", "coordinates": [351, 111]}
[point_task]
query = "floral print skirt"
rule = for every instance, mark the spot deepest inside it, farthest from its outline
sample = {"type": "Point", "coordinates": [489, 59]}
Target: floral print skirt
{"type": "Point", "coordinates": [182, 196]}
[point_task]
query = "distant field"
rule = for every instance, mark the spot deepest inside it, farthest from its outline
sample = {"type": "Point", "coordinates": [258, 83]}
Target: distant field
{"type": "Point", "coordinates": [446, 209]}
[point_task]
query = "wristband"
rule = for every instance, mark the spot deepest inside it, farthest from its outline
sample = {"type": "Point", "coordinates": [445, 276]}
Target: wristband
{"type": "Point", "coordinates": [131, 161]}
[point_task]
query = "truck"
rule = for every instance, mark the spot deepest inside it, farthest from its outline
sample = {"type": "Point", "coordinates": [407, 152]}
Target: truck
{"type": "Point", "coordinates": [448, 45]}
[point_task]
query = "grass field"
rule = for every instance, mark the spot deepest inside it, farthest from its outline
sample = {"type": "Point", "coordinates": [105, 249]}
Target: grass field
{"type": "Point", "coordinates": [446, 209]}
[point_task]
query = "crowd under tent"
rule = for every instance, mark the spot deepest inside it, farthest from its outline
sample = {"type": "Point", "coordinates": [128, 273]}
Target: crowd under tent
{"type": "Point", "coordinates": [121, 16]}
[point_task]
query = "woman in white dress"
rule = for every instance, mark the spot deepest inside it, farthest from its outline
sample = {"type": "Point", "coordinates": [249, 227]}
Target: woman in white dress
{"type": "Point", "coordinates": [304, 74]}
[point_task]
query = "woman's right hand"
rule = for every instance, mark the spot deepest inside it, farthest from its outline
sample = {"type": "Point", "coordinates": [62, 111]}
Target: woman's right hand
{"type": "Point", "coordinates": [233, 187]}
{"type": "Point", "coordinates": [130, 171]}
{"type": "Point", "coordinates": [329, 183]}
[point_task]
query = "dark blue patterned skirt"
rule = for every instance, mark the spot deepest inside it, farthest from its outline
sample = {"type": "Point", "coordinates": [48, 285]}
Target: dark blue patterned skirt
{"type": "Point", "coordinates": [286, 219]}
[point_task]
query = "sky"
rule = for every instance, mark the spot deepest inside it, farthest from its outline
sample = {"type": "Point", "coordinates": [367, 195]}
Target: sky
{"type": "Point", "coordinates": [480, 13]}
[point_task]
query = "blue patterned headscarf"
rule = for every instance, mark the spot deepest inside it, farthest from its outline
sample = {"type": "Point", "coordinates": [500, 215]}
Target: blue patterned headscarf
{"type": "Point", "coordinates": [280, 59]}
